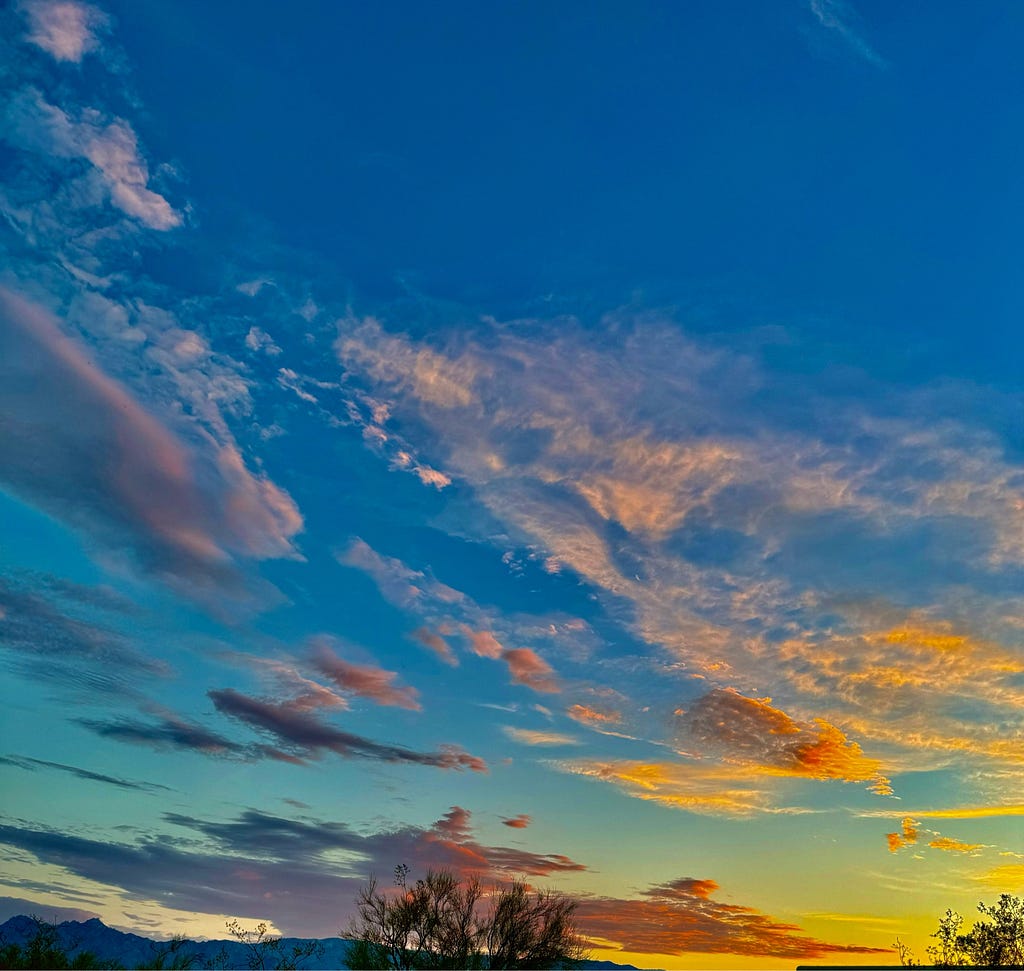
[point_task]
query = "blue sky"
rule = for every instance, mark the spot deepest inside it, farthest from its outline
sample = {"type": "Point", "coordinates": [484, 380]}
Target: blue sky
{"type": "Point", "coordinates": [577, 442]}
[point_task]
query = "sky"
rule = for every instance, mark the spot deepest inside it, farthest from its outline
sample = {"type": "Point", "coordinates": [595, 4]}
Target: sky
{"type": "Point", "coordinates": [579, 443]}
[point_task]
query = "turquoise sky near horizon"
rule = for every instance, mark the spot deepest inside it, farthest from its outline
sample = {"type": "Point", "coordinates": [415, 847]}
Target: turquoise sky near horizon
{"type": "Point", "coordinates": [579, 442]}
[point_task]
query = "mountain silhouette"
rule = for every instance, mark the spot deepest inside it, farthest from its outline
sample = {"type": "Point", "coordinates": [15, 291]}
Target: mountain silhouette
{"type": "Point", "coordinates": [131, 950]}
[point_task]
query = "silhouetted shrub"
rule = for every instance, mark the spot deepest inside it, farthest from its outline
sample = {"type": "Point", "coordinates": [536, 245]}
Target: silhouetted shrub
{"type": "Point", "coordinates": [442, 922]}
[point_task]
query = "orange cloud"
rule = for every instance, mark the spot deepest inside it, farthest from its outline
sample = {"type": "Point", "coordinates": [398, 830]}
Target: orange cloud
{"type": "Point", "coordinates": [953, 845]}
{"type": "Point", "coordinates": [433, 378]}
{"type": "Point", "coordinates": [518, 822]}
{"type": "Point", "coordinates": [364, 680]}
{"type": "Point", "coordinates": [592, 716]}
{"type": "Point", "coordinates": [919, 672]}
{"type": "Point", "coordinates": [750, 731]}
{"type": "Point", "coordinates": [908, 837]}
{"type": "Point", "coordinates": [965, 812]}
{"type": "Point", "coordinates": [682, 917]}
{"type": "Point", "coordinates": [711, 790]}
{"type": "Point", "coordinates": [528, 736]}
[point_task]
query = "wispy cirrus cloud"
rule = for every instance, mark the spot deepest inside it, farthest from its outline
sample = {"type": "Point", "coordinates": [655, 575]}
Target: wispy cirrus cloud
{"type": "Point", "coordinates": [958, 812]}
{"type": "Point", "coordinates": [398, 583]}
{"type": "Point", "coordinates": [425, 596]}
{"type": "Point", "coordinates": [651, 466]}
{"type": "Point", "coordinates": [689, 786]}
{"type": "Point", "coordinates": [1008, 878]}
{"type": "Point", "coordinates": [839, 18]}
{"type": "Point", "coordinates": [529, 736]}
{"type": "Point", "coordinates": [33, 765]}
{"type": "Point", "coordinates": [65, 29]}
{"type": "Point", "coordinates": [586, 715]}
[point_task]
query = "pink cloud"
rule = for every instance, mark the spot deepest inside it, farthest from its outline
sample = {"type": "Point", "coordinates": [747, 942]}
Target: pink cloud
{"type": "Point", "coordinates": [80, 446]}
{"type": "Point", "coordinates": [64, 29]}
{"type": "Point", "coordinates": [530, 669]}
{"type": "Point", "coordinates": [437, 644]}
{"type": "Point", "coordinates": [483, 643]}
{"type": "Point", "coordinates": [364, 680]}
{"type": "Point", "coordinates": [454, 823]}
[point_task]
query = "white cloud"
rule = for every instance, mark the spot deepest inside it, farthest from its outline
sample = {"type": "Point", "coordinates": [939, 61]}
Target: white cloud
{"type": "Point", "coordinates": [111, 146]}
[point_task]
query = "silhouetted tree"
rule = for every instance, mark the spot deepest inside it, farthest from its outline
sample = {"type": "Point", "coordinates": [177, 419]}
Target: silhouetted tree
{"type": "Point", "coordinates": [997, 942]}
{"type": "Point", "coordinates": [442, 922]}
{"type": "Point", "coordinates": [533, 930]}
{"type": "Point", "coordinates": [171, 956]}
{"type": "Point", "coordinates": [432, 923]}
{"type": "Point", "coordinates": [266, 950]}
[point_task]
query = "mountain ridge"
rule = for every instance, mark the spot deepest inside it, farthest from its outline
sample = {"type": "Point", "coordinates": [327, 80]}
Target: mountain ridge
{"type": "Point", "coordinates": [131, 950]}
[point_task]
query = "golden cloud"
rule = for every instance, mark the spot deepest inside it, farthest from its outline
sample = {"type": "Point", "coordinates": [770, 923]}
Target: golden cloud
{"type": "Point", "coordinates": [954, 845]}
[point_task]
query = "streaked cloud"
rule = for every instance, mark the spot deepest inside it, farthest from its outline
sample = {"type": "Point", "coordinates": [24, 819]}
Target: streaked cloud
{"type": "Point", "coordinates": [398, 583]}
{"type": "Point", "coordinates": [593, 716]}
{"type": "Point", "coordinates": [167, 731]}
{"type": "Point", "coordinates": [32, 765]}
{"type": "Point", "coordinates": [683, 917]}
{"type": "Point", "coordinates": [65, 29]}
{"type": "Point", "coordinates": [693, 787]}
{"type": "Point", "coordinates": [1008, 878]}
{"type": "Point", "coordinates": [304, 736]}
{"type": "Point", "coordinates": [73, 636]}
{"type": "Point", "coordinates": [951, 845]}
{"type": "Point", "coordinates": [963, 812]}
